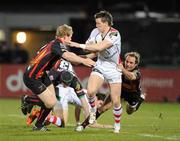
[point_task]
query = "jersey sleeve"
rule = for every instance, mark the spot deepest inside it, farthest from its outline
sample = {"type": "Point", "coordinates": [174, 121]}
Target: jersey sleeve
{"type": "Point", "coordinates": [113, 36]}
{"type": "Point", "coordinates": [137, 74]}
{"type": "Point", "coordinates": [58, 49]}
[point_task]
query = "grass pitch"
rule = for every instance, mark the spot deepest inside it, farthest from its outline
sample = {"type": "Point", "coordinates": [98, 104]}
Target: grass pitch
{"type": "Point", "coordinates": [153, 122]}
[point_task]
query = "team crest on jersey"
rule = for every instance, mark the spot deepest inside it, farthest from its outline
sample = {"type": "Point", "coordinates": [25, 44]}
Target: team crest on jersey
{"type": "Point", "coordinates": [113, 34]}
{"type": "Point", "coordinates": [78, 87]}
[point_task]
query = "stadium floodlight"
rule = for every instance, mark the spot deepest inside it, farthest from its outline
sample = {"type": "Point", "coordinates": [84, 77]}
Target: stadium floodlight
{"type": "Point", "coordinates": [21, 37]}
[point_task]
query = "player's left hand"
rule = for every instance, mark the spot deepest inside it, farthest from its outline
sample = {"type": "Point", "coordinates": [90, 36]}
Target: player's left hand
{"type": "Point", "coordinates": [120, 66]}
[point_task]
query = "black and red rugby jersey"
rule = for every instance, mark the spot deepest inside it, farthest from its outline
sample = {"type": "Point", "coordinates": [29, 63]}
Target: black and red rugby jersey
{"type": "Point", "coordinates": [132, 85]}
{"type": "Point", "coordinates": [45, 58]}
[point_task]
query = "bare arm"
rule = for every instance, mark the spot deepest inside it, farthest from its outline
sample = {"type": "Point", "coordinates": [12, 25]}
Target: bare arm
{"type": "Point", "coordinates": [73, 58]}
{"type": "Point", "coordinates": [128, 74]}
{"type": "Point", "coordinates": [94, 47]}
{"type": "Point", "coordinates": [90, 55]}
{"type": "Point", "coordinates": [77, 113]}
{"type": "Point", "coordinates": [85, 106]}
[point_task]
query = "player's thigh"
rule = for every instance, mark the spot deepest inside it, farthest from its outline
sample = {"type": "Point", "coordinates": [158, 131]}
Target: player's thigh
{"type": "Point", "coordinates": [115, 92]}
{"type": "Point", "coordinates": [94, 83]}
{"type": "Point", "coordinates": [48, 97]}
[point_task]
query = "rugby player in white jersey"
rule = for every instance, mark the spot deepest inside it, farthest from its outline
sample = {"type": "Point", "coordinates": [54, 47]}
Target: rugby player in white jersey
{"type": "Point", "coordinates": [105, 42]}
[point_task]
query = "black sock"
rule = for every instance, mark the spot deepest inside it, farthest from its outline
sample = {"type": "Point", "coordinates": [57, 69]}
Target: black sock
{"type": "Point", "coordinates": [139, 103]}
{"type": "Point", "coordinates": [86, 122]}
{"type": "Point", "coordinates": [34, 100]}
{"type": "Point", "coordinates": [97, 114]}
{"type": "Point", "coordinates": [43, 114]}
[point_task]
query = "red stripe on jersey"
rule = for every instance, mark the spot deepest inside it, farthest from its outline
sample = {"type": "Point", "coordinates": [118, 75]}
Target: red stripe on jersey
{"type": "Point", "coordinates": [56, 66]}
{"type": "Point", "coordinates": [30, 74]}
{"type": "Point", "coordinates": [120, 61]}
{"type": "Point", "coordinates": [113, 29]}
{"type": "Point", "coordinates": [37, 60]}
{"type": "Point", "coordinates": [40, 56]}
{"type": "Point", "coordinates": [41, 70]}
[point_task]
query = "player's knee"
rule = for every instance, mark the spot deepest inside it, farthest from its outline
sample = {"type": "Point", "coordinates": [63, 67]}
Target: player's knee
{"type": "Point", "coordinates": [50, 103]}
{"type": "Point", "coordinates": [116, 102]}
{"type": "Point", "coordinates": [91, 92]}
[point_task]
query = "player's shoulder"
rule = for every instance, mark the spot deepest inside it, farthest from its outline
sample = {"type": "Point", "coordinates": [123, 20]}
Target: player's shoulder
{"type": "Point", "coordinates": [113, 32]}
{"type": "Point", "coordinates": [137, 72]}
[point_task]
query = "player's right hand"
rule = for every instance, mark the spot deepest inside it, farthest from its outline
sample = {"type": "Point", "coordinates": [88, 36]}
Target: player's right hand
{"type": "Point", "coordinates": [88, 62]}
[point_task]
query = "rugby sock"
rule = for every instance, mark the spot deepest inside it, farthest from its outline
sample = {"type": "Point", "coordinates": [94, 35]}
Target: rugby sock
{"type": "Point", "coordinates": [34, 100]}
{"type": "Point", "coordinates": [92, 103]}
{"type": "Point", "coordinates": [54, 120]}
{"type": "Point", "coordinates": [117, 114]}
{"type": "Point", "coordinates": [42, 116]}
{"type": "Point", "coordinates": [97, 114]}
{"type": "Point", "coordinates": [86, 122]}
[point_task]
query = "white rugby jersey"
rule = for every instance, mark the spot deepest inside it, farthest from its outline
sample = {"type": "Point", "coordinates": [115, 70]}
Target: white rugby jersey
{"type": "Point", "coordinates": [111, 54]}
{"type": "Point", "coordinates": [66, 65]}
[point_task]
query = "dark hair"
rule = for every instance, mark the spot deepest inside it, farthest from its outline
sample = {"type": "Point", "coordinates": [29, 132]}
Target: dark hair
{"type": "Point", "coordinates": [105, 17]}
{"type": "Point", "coordinates": [66, 77]}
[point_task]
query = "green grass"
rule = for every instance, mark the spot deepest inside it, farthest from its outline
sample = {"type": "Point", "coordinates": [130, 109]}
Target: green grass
{"type": "Point", "coordinates": [153, 122]}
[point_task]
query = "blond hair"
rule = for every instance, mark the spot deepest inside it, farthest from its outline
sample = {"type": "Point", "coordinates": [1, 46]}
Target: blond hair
{"type": "Point", "coordinates": [136, 55]}
{"type": "Point", "coordinates": [64, 30]}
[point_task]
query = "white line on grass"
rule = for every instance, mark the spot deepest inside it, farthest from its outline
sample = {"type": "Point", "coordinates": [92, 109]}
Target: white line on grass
{"type": "Point", "coordinates": [158, 136]}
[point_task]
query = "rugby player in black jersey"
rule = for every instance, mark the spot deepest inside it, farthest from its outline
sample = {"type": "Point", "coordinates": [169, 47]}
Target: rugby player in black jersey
{"type": "Point", "coordinates": [36, 78]}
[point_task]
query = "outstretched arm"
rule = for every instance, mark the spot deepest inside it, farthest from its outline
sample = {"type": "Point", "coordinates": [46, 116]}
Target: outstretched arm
{"type": "Point", "coordinates": [91, 55]}
{"type": "Point", "coordinates": [73, 58]}
{"type": "Point", "coordinates": [95, 47]}
{"type": "Point", "coordinates": [77, 113]}
{"type": "Point", "coordinates": [128, 74]}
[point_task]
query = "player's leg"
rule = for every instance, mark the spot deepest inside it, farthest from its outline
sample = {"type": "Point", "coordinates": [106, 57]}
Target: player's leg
{"type": "Point", "coordinates": [134, 102]}
{"type": "Point", "coordinates": [60, 114]}
{"type": "Point", "coordinates": [32, 116]}
{"type": "Point", "coordinates": [41, 88]}
{"type": "Point", "coordinates": [49, 99]}
{"type": "Point", "coordinates": [94, 83]}
{"type": "Point", "coordinates": [78, 95]}
{"type": "Point", "coordinates": [141, 100]}
{"type": "Point", "coordinates": [54, 119]}
{"type": "Point", "coordinates": [107, 104]}
{"type": "Point", "coordinates": [117, 109]}
{"type": "Point", "coordinates": [48, 96]}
